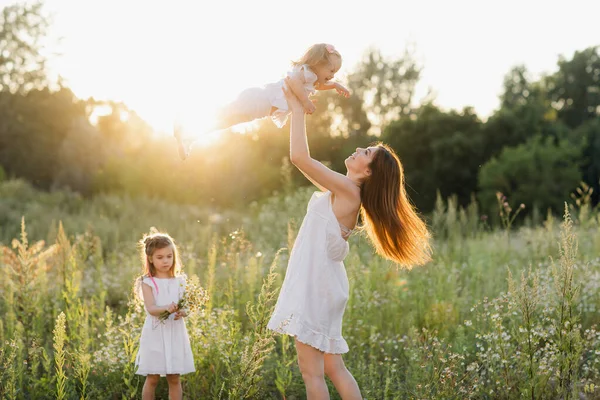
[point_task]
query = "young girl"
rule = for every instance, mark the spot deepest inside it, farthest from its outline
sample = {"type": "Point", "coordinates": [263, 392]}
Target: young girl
{"type": "Point", "coordinates": [314, 71]}
{"type": "Point", "coordinates": [164, 345]}
{"type": "Point", "coordinates": [315, 290]}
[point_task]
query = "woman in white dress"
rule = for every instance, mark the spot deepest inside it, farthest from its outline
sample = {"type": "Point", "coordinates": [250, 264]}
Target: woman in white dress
{"type": "Point", "coordinates": [315, 290]}
{"type": "Point", "coordinates": [165, 348]}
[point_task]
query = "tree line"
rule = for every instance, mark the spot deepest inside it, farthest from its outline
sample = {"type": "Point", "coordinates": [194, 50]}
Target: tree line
{"type": "Point", "coordinates": [537, 148]}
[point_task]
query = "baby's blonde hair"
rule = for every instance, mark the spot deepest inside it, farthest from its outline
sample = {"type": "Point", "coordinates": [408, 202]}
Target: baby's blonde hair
{"type": "Point", "coordinates": [317, 54]}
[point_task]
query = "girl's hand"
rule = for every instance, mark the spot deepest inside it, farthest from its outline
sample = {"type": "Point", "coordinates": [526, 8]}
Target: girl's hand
{"type": "Point", "coordinates": [171, 308]}
{"type": "Point", "coordinates": [341, 89]}
{"type": "Point", "coordinates": [291, 98]}
{"type": "Point", "coordinates": [180, 314]}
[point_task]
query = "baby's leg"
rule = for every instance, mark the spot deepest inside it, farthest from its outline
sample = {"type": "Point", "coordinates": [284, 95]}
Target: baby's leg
{"type": "Point", "coordinates": [231, 115]}
{"type": "Point", "coordinates": [186, 139]}
{"type": "Point", "coordinates": [251, 104]}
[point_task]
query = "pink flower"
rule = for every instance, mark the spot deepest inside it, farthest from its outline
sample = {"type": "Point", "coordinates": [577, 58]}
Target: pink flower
{"type": "Point", "coordinates": [330, 49]}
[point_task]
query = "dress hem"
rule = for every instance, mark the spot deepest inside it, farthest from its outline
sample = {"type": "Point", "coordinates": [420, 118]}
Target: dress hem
{"type": "Point", "coordinates": [163, 373]}
{"type": "Point", "coordinates": [292, 326]}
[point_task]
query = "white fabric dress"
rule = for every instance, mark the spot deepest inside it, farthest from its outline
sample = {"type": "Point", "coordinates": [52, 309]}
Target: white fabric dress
{"type": "Point", "coordinates": [165, 346]}
{"type": "Point", "coordinates": [257, 102]}
{"type": "Point", "coordinates": [315, 290]}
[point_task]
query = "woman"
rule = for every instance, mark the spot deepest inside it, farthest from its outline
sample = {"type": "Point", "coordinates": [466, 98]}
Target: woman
{"type": "Point", "coordinates": [313, 297]}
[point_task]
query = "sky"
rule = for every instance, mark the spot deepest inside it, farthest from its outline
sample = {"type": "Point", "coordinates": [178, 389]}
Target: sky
{"type": "Point", "coordinates": [181, 60]}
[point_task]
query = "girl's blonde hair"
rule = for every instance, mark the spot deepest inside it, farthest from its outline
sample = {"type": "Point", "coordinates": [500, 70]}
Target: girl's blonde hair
{"type": "Point", "coordinates": [153, 241]}
{"type": "Point", "coordinates": [317, 54]}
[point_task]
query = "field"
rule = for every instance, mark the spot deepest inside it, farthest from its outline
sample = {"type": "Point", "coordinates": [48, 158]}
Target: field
{"type": "Point", "coordinates": [504, 310]}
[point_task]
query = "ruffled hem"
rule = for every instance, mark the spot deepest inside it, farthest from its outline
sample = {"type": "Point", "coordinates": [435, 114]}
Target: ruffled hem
{"type": "Point", "coordinates": [292, 326]}
{"type": "Point", "coordinates": [279, 118]}
{"type": "Point", "coordinates": [163, 373]}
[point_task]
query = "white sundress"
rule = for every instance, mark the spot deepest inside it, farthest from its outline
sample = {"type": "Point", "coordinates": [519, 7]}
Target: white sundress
{"type": "Point", "coordinates": [164, 347]}
{"type": "Point", "coordinates": [315, 290]}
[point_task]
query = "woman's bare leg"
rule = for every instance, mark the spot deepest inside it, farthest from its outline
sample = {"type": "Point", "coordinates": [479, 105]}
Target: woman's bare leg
{"type": "Point", "coordinates": [312, 368]}
{"type": "Point", "coordinates": [342, 379]}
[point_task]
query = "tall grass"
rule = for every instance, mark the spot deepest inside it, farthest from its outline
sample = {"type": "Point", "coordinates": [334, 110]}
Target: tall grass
{"type": "Point", "coordinates": [489, 318]}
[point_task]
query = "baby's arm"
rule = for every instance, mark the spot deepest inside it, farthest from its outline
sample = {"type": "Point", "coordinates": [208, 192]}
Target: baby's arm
{"type": "Point", "coordinates": [296, 83]}
{"type": "Point", "coordinates": [341, 89]}
{"type": "Point", "coordinates": [150, 304]}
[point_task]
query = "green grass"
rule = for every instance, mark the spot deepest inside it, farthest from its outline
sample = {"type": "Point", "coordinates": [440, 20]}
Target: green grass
{"type": "Point", "coordinates": [497, 314]}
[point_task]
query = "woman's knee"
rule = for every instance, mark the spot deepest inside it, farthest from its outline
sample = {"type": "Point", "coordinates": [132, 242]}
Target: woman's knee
{"type": "Point", "coordinates": [310, 369]}
{"type": "Point", "coordinates": [173, 379]}
{"type": "Point", "coordinates": [310, 362]}
{"type": "Point", "coordinates": [334, 367]}
{"type": "Point", "coordinates": [311, 373]}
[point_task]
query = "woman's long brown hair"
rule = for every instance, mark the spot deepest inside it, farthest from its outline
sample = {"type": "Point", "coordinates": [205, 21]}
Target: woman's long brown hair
{"type": "Point", "coordinates": [389, 218]}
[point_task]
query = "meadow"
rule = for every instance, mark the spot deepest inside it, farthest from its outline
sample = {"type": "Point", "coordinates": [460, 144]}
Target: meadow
{"type": "Point", "coordinates": [509, 308]}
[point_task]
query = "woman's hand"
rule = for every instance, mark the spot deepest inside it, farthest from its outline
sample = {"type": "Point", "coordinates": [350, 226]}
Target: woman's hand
{"type": "Point", "coordinates": [309, 107]}
{"type": "Point", "coordinates": [293, 101]}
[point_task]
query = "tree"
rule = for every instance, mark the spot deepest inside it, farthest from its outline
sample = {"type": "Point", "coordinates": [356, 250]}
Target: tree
{"type": "Point", "coordinates": [22, 29]}
{"type": "Point", "coordinates": [439, 150]}
{"type": "Point", "coordinates": [525, 112]}
{"type": "Point", "coordinates": [22, 69]}
{"type": "Point", "coordinates": [537, 173]}
{"type": "Point", "coordinates": [33, 130]}
{"type": "Point", "coordinates": [588, 134]}
{"type": "Point", "coordinates": [122, 129]}
{"type": "Point", "coordinates": [79, 157]}
{"type": "Point", "coordinates": [518, 89]}
{"type": "Point", "coordinates": [382, 91]}
{"type": "Point", "coordinates": [575, 87]}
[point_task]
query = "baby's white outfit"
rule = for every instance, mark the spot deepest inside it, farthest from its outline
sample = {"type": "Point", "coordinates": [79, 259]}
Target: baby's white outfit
{"type": "Point", "coordinates": [257, 102]}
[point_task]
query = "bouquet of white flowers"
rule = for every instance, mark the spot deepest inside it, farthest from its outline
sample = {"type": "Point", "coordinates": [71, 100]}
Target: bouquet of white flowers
{"type": "Point", "coordinates": [193, 298]}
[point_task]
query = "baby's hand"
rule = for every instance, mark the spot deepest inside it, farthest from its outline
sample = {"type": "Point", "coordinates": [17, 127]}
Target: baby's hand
{"type": "Point", "coordinates": [309, 107]}
{"type": "Point", "coordinates": [171, 308]}
{"type": "Point", "coordinates": [341, 89]}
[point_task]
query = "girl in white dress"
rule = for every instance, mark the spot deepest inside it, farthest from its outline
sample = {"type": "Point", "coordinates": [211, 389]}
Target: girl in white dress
{"type": "Point", "coordinates": [314, 71]}
{"type": "Point", "coordinates": [164, 345]}
{"type": "Point", "coordinates": [315, 290]}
